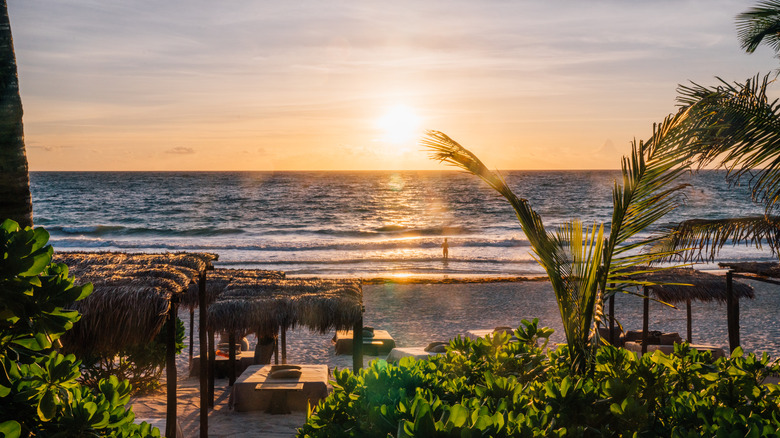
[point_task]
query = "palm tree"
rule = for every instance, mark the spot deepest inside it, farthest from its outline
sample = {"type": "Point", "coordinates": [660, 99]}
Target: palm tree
{"type": "Point", "coordinates": [760, 24]}
{"type": "Point", "coordinates": [582, 263]}
{"type": "Point", "coordinates": [738, 128]}
{"type": "Point", "coordinates": [15, 201]}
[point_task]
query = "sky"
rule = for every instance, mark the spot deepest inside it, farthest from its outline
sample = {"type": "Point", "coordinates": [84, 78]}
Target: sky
{"type": "Point", "coordinates": [352, 85]}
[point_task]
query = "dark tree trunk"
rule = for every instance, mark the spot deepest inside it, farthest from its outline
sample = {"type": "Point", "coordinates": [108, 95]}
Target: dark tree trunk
{"type": "Point", "coordinates": [15, 201]}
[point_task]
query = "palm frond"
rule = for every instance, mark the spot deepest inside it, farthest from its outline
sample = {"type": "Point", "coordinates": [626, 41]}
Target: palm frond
{"type": "Point", "coordinates": [447, 150]}
{"type": "Point", "coordinates": [645, 196]}
{"type": "Point", "coordinates": [578, 262]}
{"type": "Point", "coordinates": [702, 239]}
{"type": "Point", "coordinates": [760, 24]}
{"type": "Point", "coordinates": [737, 127]}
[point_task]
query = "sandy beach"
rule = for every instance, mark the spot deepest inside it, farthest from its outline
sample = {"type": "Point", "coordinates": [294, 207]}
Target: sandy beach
{"type": "Point", "coordinates": [418, 313]}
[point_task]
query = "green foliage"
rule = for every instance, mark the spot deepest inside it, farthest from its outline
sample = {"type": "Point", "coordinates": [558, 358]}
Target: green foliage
{"type": "Point", "coordinates": [494, 387]}
{"type": "Point", "coordinates": [582, 263]}
{"type": "Point", "coordinates": [141, 365]}
{"type": "Point", "coordinates": [39, 391]}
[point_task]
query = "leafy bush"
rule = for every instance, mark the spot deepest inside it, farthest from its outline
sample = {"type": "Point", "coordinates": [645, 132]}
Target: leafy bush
{"type": "Point", "coordinates": [497, 388]}
{"type": "Point", "coordinates": [141, 365]}
{"type": "Point", "coordinates": [39, 391]}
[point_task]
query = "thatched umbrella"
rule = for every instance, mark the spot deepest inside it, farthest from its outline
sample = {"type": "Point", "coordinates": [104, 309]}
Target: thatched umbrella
{"type": "Point", "coordinates": [249, 305]}
{"type": "Point", "coordinates": [682, 285]}
{"type": "Point", "coordinates": [218, 279]}
{"type": "Point", "coordinates": [767, 272]}
{"type": "Point", "coordinates": [134, 295]}
{"type": "Point", "coordinates": [320, 305]}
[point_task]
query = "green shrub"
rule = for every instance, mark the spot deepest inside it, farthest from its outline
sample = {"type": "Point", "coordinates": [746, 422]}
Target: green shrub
{"type": "Point", "coordinates": [39, 391]}
{"type": "Point", "coordinates": [497, 388]}
{"type": "Point", "coordinates": [141, 365]}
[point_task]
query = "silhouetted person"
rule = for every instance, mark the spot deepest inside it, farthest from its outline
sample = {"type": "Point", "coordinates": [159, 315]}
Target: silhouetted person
{"type": "Point", "coordinates": [445, 249]}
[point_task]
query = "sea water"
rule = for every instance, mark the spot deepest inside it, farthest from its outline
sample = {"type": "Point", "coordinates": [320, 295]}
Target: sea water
{"type": "Point", "coordinates": [374, 224]}
{"type": "Point", "coordinates": [357, 224]}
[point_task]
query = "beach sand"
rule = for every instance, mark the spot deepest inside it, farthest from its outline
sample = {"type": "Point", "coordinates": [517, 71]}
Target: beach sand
{"type": "Point", "coordinates": [416, 314]}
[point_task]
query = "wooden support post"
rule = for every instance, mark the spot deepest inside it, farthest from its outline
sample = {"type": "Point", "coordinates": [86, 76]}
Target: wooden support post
{"type": "Point", "coordinates": [192, 331]}
{"type": "Point", "coordinates": [732, 312]}
{"type": "Point", "coordinates": [645, 319]}
{"type": "Point", "coordinates": [284, 345]}
{"type": "Point", "coordinates": [737, 341]}
{"type": "Point", "coordinates": [612, 319]}
{"type": "Point", "coordinates": [357, 346]}
{"type": "Point", "coordinates": [232, 359]}
{"type": "Point", "coordinates": [689, 326]}
{"type": "Point", "coordinates": [170, 369]}
{"type": "Point", "coordinates": [212, 367]}
{"type": "Point", "coordinates": [204, 389]}
{"type": "Point", "coordinates": [276, 346]}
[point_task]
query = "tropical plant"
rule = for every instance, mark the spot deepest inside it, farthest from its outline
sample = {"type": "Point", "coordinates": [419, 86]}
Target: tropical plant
{"type": "Point", "coordinates": [738, 128]}
{"type": "Point", "coordinates": [582, 263]}
{"type": "Point", "coordinates": [760, 24]}
{"type": "Point", "coordinates": [15, 201]}
{"type": "Point", "coordinates": [39, 391]}
{"type": "Point", "coordinates": [496, 387]}
{"type": "Point", "coordinates": [141, 365]}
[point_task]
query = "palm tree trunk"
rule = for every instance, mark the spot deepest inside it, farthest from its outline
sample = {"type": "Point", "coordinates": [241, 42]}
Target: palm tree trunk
{"type": "Point", "coordinates": [15, 201]}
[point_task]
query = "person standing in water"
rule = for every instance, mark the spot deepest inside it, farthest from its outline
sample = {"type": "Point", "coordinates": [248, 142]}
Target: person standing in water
{"type": "Point", "coordinates": [445, 249]}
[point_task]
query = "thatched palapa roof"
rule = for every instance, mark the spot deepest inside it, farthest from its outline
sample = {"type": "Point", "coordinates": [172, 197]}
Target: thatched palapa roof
{"type": "Point", "coordinates": [764, 269]}
{"type": "Point", "coordinates": [197, 262]}
{"type": "Point", "coordinates": [131, 298]}
{"type": "Point", "coordinates": [689, 284]}
{"type": "Point", "coordinates": [218, 280]}
{"type": "Point", "coordinates": [249, 305]}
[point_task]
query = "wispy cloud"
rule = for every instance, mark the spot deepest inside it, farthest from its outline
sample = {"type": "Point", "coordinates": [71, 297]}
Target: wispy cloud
{"type": "Point", "coordinates": [180, 150]}
{"type": "Point", "coordinates": [300, 78]}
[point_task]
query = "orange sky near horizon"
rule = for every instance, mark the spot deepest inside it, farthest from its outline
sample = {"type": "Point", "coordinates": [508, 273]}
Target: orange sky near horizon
{"type": "Point", "coordinates": [195, 85]}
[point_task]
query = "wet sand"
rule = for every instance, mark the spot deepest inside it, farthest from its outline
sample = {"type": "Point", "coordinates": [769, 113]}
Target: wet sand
{"type": "Point", "coordinates": [418, 313]}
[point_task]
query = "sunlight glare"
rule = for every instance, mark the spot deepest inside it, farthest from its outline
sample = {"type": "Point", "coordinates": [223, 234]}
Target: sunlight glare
{"type": "Point", "coordinates": [400, 124]}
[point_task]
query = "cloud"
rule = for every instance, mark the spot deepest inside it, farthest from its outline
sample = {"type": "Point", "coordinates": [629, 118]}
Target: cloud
{"type": "Point", "coordinates": [180, 150]}
{"type": "Point", "coordinates": [46, 148]}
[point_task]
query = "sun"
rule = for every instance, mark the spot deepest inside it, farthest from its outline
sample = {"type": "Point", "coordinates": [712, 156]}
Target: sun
{"type": "Point", "coordinates": [399, 125]}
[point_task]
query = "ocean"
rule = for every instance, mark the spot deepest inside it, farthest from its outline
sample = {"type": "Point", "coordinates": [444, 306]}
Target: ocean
{"type": "Point", "coordinates": [354, 224]}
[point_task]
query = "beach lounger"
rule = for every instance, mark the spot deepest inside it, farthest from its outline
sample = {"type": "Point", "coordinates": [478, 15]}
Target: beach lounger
{"type": "Point", "coordinates": [477, 334]}
{"type": "Point", "coordinates": [433, 349]}
{"type": "Point", "coordinates": [375, 342]}
{"type": "Point", "coordinates": [222, 364]}
{"type": "Point", "coordinates": [280, 388]}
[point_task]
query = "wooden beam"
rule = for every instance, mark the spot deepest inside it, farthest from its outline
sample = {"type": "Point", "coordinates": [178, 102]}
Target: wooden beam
{"type": "Point", "coordinates": [732, 312]}
{"type": "Point", "coordinates": [688, 326]}
{"type": "Point", "coordinates": [276, 347]}
{"type": "Point", "coordinates": [284, 345]}
{"type": "Point", "coordinates": [204, 388]}
{"type": "Point", "coordinates": [212, 367]}
{"type": "Point", "coordinates": [756, 277]}
{"type": "Point", "coordinates": [357, 346]}
{"type": "Point", "coordinates": [232, 359]}
{"type": "Point", "coordinates": [192, 330]}
{"type": "Point", "coordinates": [170, 369]}
{"type": "Point", "coordinates": [645, 319]}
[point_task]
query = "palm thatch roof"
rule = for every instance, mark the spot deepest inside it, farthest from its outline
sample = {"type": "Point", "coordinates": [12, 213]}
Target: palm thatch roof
{"type": "Point", "coordinates": [249, 305]}
{"type": "Point", "coordinates": [197, 262]}
{"type": "Point", "coordinates": [131, 298]}
{"type": "Point", "coordinates": [764, 269]}
{"type": "Point", "coordinates": [682, 284]}
{"type": "Point", "coordinates": [218, 280]}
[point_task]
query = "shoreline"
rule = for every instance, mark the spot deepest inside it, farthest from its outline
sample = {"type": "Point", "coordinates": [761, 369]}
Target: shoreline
{"type": "Point", "coordinates": [464, 279]}
{"type": "Point", "coordinates": [420, 310]}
